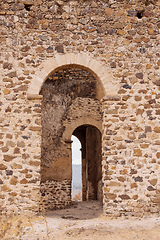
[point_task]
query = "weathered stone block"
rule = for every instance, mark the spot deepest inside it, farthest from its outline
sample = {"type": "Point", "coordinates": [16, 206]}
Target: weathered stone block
{"type": "Point", "coordinates": [137, 152]}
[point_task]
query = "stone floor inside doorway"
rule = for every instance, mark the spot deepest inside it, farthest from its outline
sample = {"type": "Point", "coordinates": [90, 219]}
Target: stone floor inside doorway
{"type": "Point", "coordinates": [85, 221]}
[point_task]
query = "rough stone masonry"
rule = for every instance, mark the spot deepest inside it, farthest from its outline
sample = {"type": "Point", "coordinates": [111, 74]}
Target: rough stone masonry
{"type": "Point", "coordinates": [89, 68]}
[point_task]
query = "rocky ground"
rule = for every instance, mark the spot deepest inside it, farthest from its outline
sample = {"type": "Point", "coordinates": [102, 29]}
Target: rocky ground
{"type": "Point", "coordinates": [85, 220]}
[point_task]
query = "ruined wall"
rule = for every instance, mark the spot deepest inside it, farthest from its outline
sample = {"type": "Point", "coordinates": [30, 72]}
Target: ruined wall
{"type": "Point", "coordinates": [124, 37]}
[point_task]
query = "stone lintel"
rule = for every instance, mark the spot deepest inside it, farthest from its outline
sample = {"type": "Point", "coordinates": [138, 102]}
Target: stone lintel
{"type": "Point", "coordinates": [34, 96]}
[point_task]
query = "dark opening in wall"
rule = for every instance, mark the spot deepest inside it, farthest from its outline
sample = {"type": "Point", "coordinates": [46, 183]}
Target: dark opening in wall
{"type": "Point", "coordinates": [27, 7]}
{"type": "Point", "coordinates": [139, 15]}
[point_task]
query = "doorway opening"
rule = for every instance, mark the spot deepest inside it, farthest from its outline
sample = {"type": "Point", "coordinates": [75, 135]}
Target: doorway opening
{"type": "Point", "coordinates": [70, 99]}
{"type": "Point", "coordinates": [76, 193]}
{"type": "Point", "coordinates": [90, 138]}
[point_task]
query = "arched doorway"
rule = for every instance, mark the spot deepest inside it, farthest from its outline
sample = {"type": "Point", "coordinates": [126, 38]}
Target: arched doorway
{"type": "Point", "coordinates": [70, 105]}
{"type": "Point", "coordinates": [90, 138]}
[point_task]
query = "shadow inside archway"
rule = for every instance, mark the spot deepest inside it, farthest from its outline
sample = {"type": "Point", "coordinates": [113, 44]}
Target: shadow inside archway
{"type": "Point", "coordinates": [78, 211]}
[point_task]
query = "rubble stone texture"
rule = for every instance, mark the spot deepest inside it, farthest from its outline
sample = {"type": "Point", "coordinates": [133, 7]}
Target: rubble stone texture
{"type": "Point", "coordinates": [109, 54]}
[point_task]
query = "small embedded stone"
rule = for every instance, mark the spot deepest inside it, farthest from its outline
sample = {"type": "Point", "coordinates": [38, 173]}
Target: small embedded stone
{"type": "Point", "coordinates": [34, 163]}
{"type": "Point", "coordinates": [8, 158]}
{"type": "Point", "coordinates": [158, 154]}
{"type": "Point", "coordinates": [138, 129]}
{"type": "Point", "coordinates": [137, 98]}
{"type": "Point", "coordinates": [118, 25]}
{"type": "Point", "coordinates": [139, 111]}
{"type": "Point", "coordinates": [4, 149]}
{"type": "Point", "coordinates": [124, 171]}
{"type": "Point", "coordinates": [139, 75]}
{"type": "Point", "coordinates": [131, 135]}
{"type": "Point", "coordinates": [151, 101]}
{"type": "Point", "coordinates": [117, 138]}
{"type": "Point", "coordinates": [134, 185]}
{"type": "Point", "coordinates": [109, 11]}
{"type": "Point", "coordinates": [150, 188]}
{"type": "Point", "coordinates": [2, 166]}
{"type": "Point", "coordinates": [126, 86]}
{"type": "Point", "coordinates": [1, 182]}
{"type": "Point", "coordinates": [5, 188]}
{"type": "Point", "coordinates": [16, 150]}
{"type": "Point", "coordinates": [121, 32]}
{"type": "Point", "coordinates": [10, 144]}
{"type": "Point", "coordinates": [148, 129]}
{"type": "Point", "coordinates": [137, 152]}
{"type": "Point", "coordinates": [121, 179]}
{"type": "Point", "coordinates": [24, 170]}
{"type": "Point", "coordinates": [138, 179]}
{"type": "Point", "coordinates": [113, 183]}
{"type": "Point", "coordinates": [156, 129]}
{"type": "Point", "coordinates": [156, 199]}
{"type": "Point", "coordinates": [26, 72]}
{"type": "Point", "coordinates": [25, 156]}
{"type": "Point", "coordinates": [28, 175]}
{"type": "Point", "coordinates": [135, 197]}
{"type": "Point", "coordinates": [40, 49]}
{"type": "Point", "coordinates": [113, 65]}
{"type": "Point", "coordinates": [59, 48]}
{"type": "Point", "coordinates": [26, 137]}
{"type": "Point", "coordinates": [121, 146]}
{"type": "Point", "coordinates": [13, 194]}
{"type": "Point", "coordinates": [37, 128]}
{"type": "Point", "coordinates": [16, 166]}
{"type": "Point", "coordinates": [132, 13]}
{"type": "Point", "coordinates": [8, 109]}
{"type": "Point", "coordinates": [21, 88]}
{"type": "Point", "coordinates": [152, 31]}
{"type": "Point", "coordinates": [7, 65]}
{"type": "Point", "coordinates": [125, 97]}
{"type": "Point", "coordinates": [49, 49]}
{"type": "Point", "coordinates": [90, 48]}
{"type": "Point", "coordinates": [133, 171]}
{"type": "Point", "coordinates": [153, 182]}
{"type": "Point", "coordinates": [1, 134]}
{"type": "Point", "coordinates": [25, 48]}
{"type": "Point", "coordinates": [6, 91]}
{"type": "Point", "coordinates": [9, 136]}
{"type": "Point", "coordinates": [17, 6]}
{"type": "Point", "coordinates": [157, 82]}
{"type": "Point", "coordinates": [21, 144]}
{"type": "Point", "coordinates": [124, 197]}
{"type": "Point", "coordinates": [24, 181]}
{"type": "Point", "coordinates": [148, 66]}
{"type": "Point", "coordinates": [12, 74]}
{"type": "Point", "coordinates": [158, 112]}
{"type": "Point", "coordinates": [9, 172]}
{"type": "Point", "coordinates": [111, 196]}
{"type": "Point", "coordinates": [144, 145]}
{"type": "Point", "coordinates": [126, 42]}
{"type": "Point", "coordinates": [13, 181]}
{"type": "Point", "coordinates": [142, 50]}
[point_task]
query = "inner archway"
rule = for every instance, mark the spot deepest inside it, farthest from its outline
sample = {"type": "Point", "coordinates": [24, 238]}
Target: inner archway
{"type": "Point", "coordinates": [90, 138]}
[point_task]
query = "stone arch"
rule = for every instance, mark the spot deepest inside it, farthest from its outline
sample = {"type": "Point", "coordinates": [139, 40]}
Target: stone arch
{"type": "Point", "coordinates": [81, 60]}
{"type": "Point", "coordinates": [78, 122]}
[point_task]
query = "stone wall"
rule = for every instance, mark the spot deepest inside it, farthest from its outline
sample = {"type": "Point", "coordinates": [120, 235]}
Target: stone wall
{"type": "Point", "coordinates": [123, 37]}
